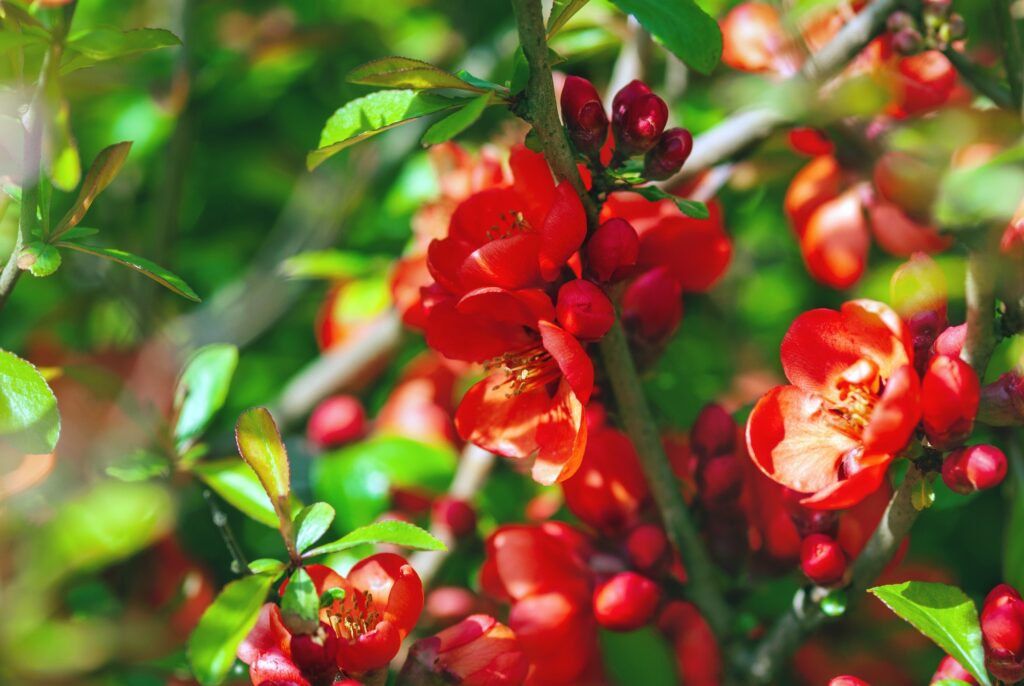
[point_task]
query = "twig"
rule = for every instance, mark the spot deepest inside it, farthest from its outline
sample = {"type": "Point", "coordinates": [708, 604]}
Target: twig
{"type": "Point", "coordinates": [474, 467]}
{"type": "Point", "coordinates": [787, 633]}
{"type": "Point", "coordinates": [615, 351]}
{"type": "Point", "coordinates": [979, 294]}
{"type": "Point", "coordinates": [239, 565]}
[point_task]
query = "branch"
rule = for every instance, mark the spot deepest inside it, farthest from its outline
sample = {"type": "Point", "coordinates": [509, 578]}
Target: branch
{"type": "Point", "coordinates": [803, 618]}
{"type": "Point", "coordinates": [979, 293]}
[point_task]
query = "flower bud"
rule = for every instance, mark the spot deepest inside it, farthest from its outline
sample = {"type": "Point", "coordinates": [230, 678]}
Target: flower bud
{"type": "Point", "coordinates": [584, 310]}
{"type": "Point", "coordinates": [626, 602]}
{"type": "Point", "coordinates": [613, 249]}
{"type": "Point", "coordinates": [847, 680]}
{"type": "Point", "coordinates": [584, 115]}
{"type": "Point", "coordinates": [1002, 401]}
{"type": "Point", "coordinates": [1002, 630]}
{"type": "Point", "coordinates": [951, 341]}
{"type": "Point", "coordinates": [949, 401]}
{"type": "Point", "coordinates": [907, 41]}
{"type": "Point", "coordinates": [949, 668]}
{"type": "Point", "coordinates": [713, 432]}
{"type": "Point", "coordinates": [918, 293]}
{"type": "Point", "coordinates": [899, 20]}
{"type": "Point", "coordinates": [653, 304]}
{"type": "Point", "coordinates": [638, 118]}
{"type": "Point", "coordinates": [478, 650]}
{"type": "Point", "coordinates": [315, 654]}
{"type": "Point", "coordinates": [808, 520]}
{"type": "Point", "coordinates": [719, 479]}
{"type": "Point", "coordinates": [974, 468]}
{"type": "Point", "coordinates": [822, 560]}
{"type": "Point", "coordinates": [646, 546]}
{"type": "Point", "coordinates": [457, 516]}
{"type": "Point", "coordinates": [337, 420]}
{"type": "Point", "coordinates": [669, 154]}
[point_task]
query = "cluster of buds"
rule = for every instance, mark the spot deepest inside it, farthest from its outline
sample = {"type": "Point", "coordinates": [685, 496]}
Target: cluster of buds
{"type": "Point", "coordinates": [1002, 630]}
{"type": "Point", "coordinates": [938, 28]}
{"type": "Point", "coordinates": [637, 124]}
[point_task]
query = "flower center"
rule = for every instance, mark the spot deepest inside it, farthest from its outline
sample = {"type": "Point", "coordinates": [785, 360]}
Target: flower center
{"type": "Point", "coordinates": [361, 618]}
{"type": "Point", "coordinates": [524, 370]}
{"type": "Point", "coordinates": [858, 390]}
{"type": "Point", "coordinates": [511, 223]}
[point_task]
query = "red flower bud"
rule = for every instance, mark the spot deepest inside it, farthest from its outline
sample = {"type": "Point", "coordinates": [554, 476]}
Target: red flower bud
{"type": "Point", "coordinates": [847, 680]}
{"type": "Point", "coordinates": [478, 650]}
{"type": "Point", "coordinates": [584, 310]}
{"type": "Point", "coordinates": [455, 515]}
{"type": "Point", "coordinates": [584, 115]}
{"type": "Point", "coordinates": [626, 602]}
{"type": "Point", "coordinates": [613, 249]}
{"type": "Point", "coordinates": [337, 420]}
{"type": "Point", "coordinates": [713, 432]}
{"type": "Point", "coordinates": [949, 668]}
{"type": "Point", "coordinates": [949, 401]}
{"type": "Point", "coordinates": [646, 546]}
{"type": "Point", "coordinates": [719, 479]}
{"type": "Point", "coordinates": [638, 118]}
{"type": "Point", "coordinates": [1002, 401]}
{"type": "Point", "coordinates": [822, 560]}
{"type": "Point", "coordinates": [669, 154]}
{"type": "Point", "coordinates": [810, 141]}
{"type": "Point", "coordinates": [315, 654]}
{"type": "Point", "coordinates": [809, 520]}
{"type": "Point", "coordinates": [1002, 629]}
{"type": "Point", "coordinates": [974, 468]}
{"type": "Point", "coordinates": [653, 304]}
{"type": "Point", "coordinates": [951, 341]}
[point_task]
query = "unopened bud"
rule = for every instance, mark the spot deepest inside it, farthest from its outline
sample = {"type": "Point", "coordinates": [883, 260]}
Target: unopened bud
{"type": "Point", "coordinates": [1002, 401]}
{"type": "Point", "coordinates": [668, 155]}
{"type": "Point", "coordinates": [713, 432]}
{"type": "Point", "coordinates": [638, 118]}
{"type": "Point", "coordinates": [950, 669]}
{"type": "Point", "coordinates": [646, 546]}
{"type": "Point", "coordinates": [974, 468]}
{"type": "Point", "coordinates": [822, 560]}
{"type": "Point", "coordinates": [337, 420]}
{"type": "Point", "coordinates": [949, 401]}
{"type": "Point", "coordinates": [900, 20]}
{"type": "Point", "coordinates": [584, 115]}
{"type": "Point", "coordinates": [626, 602]}
{"type": "Point", "coordinates": [613, 249]}
{"type": "Point", "coordinates": [457, 516]}
{"type": "Point", "coordinates": [653, 304]}
{"type": "Point", "coordinates": [584, 310]}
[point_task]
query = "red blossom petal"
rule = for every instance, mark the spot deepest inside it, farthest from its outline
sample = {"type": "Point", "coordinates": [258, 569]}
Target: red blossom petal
{"type": "Point", "coordinates": [505, 425]}
{"type": "Point", "coordinates": [396, 588]}
{"type": "Point", "coordinates": [695, 251]}
{"type": "Point", "coordinates": [527, 561]}
{"type": "Point", "coordinates": [897, 413]}
{"type": "Point", "coordinates": [524, 307]}
{"type": "Point", "coordinates": [853, 489]}
{"type": "Point", "coordinates": [572, 359]}
{"type": "Point", "coordinates": [489, 214]}
{"type": "Point", "coordinates": [444, 261]}
{"type": "Point", "coordinates": [268, 634]}
{"type": "Point", "coordinates": [561, 438]}
{"type": "Point", "coordinates": [901, 236]}
{"type": "Point", "coordinates": [792, 440]}
{"type": "Point", "coordinates": [275, 667]}
{"type": "Point", "coordinates": [875, 314]}
{"type": "Point", "coordinates": [533, 183]}
{"type": "Point", "coordinates": [471, 337]}
{"type": "Point", "coordinates": [369, 651]}
{"type": "Point", "coordinates": [835, 242]}
{"type": "Point", "coordinates": [504, 262]}
{"type": "Point", "coordinates": [563, 231]}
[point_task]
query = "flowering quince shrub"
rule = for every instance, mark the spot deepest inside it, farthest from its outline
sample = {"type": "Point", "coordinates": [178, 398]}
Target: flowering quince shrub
{"type": "Point", "coordinates": [582, 412]}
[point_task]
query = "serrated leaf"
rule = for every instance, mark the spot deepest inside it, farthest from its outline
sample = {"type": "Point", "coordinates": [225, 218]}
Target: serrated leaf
{"type": "Point", "coordinates": [103, 170]}
{"type": "Point", "coordinates": [260, 445]}
{"type": "Point", "coordinates": [39, 259]}
{"type": "Point", "coordinates": [682, 27]}
{"type": "Point", "coordinates": [455, 123]}
{"type": "Point", "coordinates": [691, 208]}
{"type": "Point", "coordinates": [404, 72]}
{"type": "Point", "coordinates": [104, 43]}
{"type": "Point", "coordinates": [371, 114]}
{"type": "Point", "coordinates": [482, 84]}
{"type": "Point", "coordinates": [223, 627]}
{"type": "Point", "coordinates": [311, 524]}
{"type": "Point", "coordinates": [300, 600]}
{"type": "Point", "coordinates": [235, 482]}
{"type": "Point", "coordinates": [339, 265]}
{"type": "Point", "coordinates": [266, 565]}
{"type": "Point", "coordinates": [390, 531]}
{"type": "Point", "coordinates": [165, 278]}
{"type": "Point", "coordinates": [29, 419]}
{"type": "Point", "coordinates": [561, 12]}
{"type": "Point", "coordinates": [945, 615]}
{"type": "Point", "coordinates": [203, 389]}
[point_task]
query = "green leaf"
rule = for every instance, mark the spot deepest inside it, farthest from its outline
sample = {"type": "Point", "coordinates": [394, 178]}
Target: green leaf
{"type": "Point", "coordinates": [311, 524]}
{"type": "Point", "coordinates": [223, 627]}
{"type": "Point", "coordinates": [103, 44]}
{"type": "Point", "coordinates": [142, 465]}
{"type": "Point", "coordinates": [260, 445]}
{"type": "Point", "coordinates": [482, 84]}
{"type": "Point", "coordinates": [79, 232]}
{"type": "Point", "coordinates": [371, 114]}
{"type": "Point", "coordinates": [691, 208]}
{"type": "Point", "coordinates": [168, 280]}
{"type": "Point", "coordinates": [40, 259]}
{"type": "Point", "coordinates": [103, 170]}
{"type": "Point", "coordinates": [332, 264]}
{"type": "Point", "coordinates": [300, 600]}
{"type": "Point", "coordinates": [403, 72]}
{"type": "Point", "coordinates": [561, 12]}
{"type": "Point", "coordinates": [455, 123]}
{"type": "Point", "coordinates": [236, 483]}
{"type": "Point", "coordinates": [202, 389]}
{"type": "Point", "coordinates": [979, 195]}
{"type": "Point", "coordinates": [389, 531]}
{"type": "Point", "coordinates": [28, 408]}
{"type": "Point", "coordinates": [922, 496]}
{"type": "Point", "coordinates": [682, 27]}
{"type": "Point", "coordinates": [331, 596]}
{"type": "Point", "coordinates": [266, 565]}
{"type": "Point", "coordinates": [943, 614]}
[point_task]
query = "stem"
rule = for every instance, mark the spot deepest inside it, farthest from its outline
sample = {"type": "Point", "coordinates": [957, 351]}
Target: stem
{"type": "Point", "coordinates": [239, 565]}
{"type": "Point", "coordinates": [787, 633]}
{"type": "Point", "coordinates": [614, 347]}
{"type": "Point", "coordinates": [1013, 59]}
{"type": "Point", "coordinates": [979, 293]}
{"type": "Point", "coordinates": [668, 496]}
{"type": "Point", "coordinates": [980, 79]}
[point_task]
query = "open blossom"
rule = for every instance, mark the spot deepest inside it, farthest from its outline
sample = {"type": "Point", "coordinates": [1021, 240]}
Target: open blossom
{"type": "Point", "coordinates": [853, 404]}
{"type": "Point", "coordinates": [478, 651]}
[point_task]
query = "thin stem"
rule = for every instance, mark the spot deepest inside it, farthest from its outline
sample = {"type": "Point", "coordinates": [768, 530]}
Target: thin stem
{"type": "Point", "coordinates": [979, 293]}
{"type": "Point", "coordinates": [980, 80]}
{"type": "Point", "coordinates": [636, 416]}
{"type": "Point", "coordinates": [803, 618]}
{"type": "Point", "coordinates": [239, 565]}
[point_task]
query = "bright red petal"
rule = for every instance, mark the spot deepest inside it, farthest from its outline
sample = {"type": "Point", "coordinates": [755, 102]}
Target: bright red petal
{"type": "Point", "coordinates": [395, 587]}
{"type": "Point", "coordinates": [471, 337]}
{"type": "Point", "coordinates": [561, 438]}
{"type": "Point", "coordinates": [901, 236]}
{"type": "Point", "coordinates": [444, 262]}
{"type": "Point", "coordinates": [268, 634]}
{"type": "Point", "coordinates": [369, 651]}
{"type": "Point", "coordinates": [563, 231]}
{"type": "Point", "coordinates": [524, 307]}
{"type": "Point", "coordinates": [485, 215]}
{"type": "Point", "coordinates": [504, 262]}
{"type": "Point", "coordinates": [851, 490]}
{"type": "Point", "coordinates": [695, 251]}
{"type": "Point", "coordinates": [533, 183]}
{"type": "Point", "coordinates": [505, 425]}
{"type": "Point", "coordinates": [572, 359]}
{"type": "Point", "coordinates": [275, 667]}
{"type": "Point", "coordinates": [897, 413]}
{"type": "Point", "coordinates": [835, 243]}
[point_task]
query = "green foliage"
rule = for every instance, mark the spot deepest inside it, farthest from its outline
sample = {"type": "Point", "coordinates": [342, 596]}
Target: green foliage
{"type": "Point", "coordinates": [260, 445]}
{"type": "Point", "coordinates": [102, 172]}
{"type": "Point", "coordinates": [234, 481]}
{"type": "Point", "coordinates": [682, 27]}
{"type": "Point", "coordinates": [311, 523]}
{"type": "Point", "coordinates": [300, 601]}
{"type": "Point", "coordinates": [390, 531]}
{"type": "Point", "coordinates": [340, 265]}
{"type": "Point", "coordinates": [403, 72]}
{"type": "Point", "coordinates": [943, 614]}
{"type": "Point", "coordinates": [1013, 555]}
{"type": "Point", "coordinates": [974, 196]}
{"type": "Point", "coordinates": [103, 44]}
{"type": "Point", "coordinates": [39, 258]}
{"type": "Point", "coordinates": [168, 280]}
{"type": "Point", "coordinates": [202, 390]}
{"type": "Point", "coordinates": [691, 208]}
{"type": "Point", "coordinates": [639, 657]}
{"type": "Point", "coordinates": [458, 121]}
{"type": "Point", "coordinates": [561, 12]}
{"type": "Point", "coordinates": [28, 409]}
{"type": "Point", "coordinates": [223, 627]}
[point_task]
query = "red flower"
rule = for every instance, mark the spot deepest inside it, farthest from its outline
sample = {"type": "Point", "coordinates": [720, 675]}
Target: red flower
{"type": "Point", "coordinates": [853, 404]}
{"type": "Point", "coordinates": [609, 490]}
{"type": "Point", "coordinates": [478, 651]}
{"type": "Point", "coordinates": [950, 393]}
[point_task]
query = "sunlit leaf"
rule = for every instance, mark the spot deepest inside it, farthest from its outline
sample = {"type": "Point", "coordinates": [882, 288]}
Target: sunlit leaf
{"type": "Point", "coordinates": [691, 208]}
{"type": "Point", "coordinates": [311, 524]}
{"type": "Point", "coordinates": [103, 170]}
{"type": "Point", "coordinates": [561, 12]}
{"type": "Point", "coordinates": [682, 27]}
{"type": "Point", "coordinates": [165, 278]}
{"type": "Point", "coordinates": [389, 531]}
{"type": "Point", "coordinates": [260, 445]}
{"type": "Point", "coordinates": [28, 409]}
{"type": "Point", "coordinates": [403, 72]}
{"type": "Point", "coordinates": [300, 600]}
{"type": "Point", "coordinates": [332, 264]}
{"type": "Point", "coordinates": [456, 122]}
{"type": "Point", "coordinates": [235, 482]}
{"type": "Point", "coordinates": [202, 389]}
{"type": "Point", "coordinates": [40, 259]}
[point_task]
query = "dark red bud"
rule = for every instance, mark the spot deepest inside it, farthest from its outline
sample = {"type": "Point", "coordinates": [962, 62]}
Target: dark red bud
{"type": "Point", "coordinates": [626, 602]}
{"type": "Point", "coordinates": [337, 420]}
{"type": "Point", "coordinates": [626, 96]}
{"type": "Point", "coordinates": [641, 125]}
{"type": "Point", "coordinates": [822, 560]}
{"type": "Point", "coordinates": [719, 479]}
{"type": "Point", "coordinates": [808, 520]}
{"type": "Point", "coordinates": [951, 341]}
{"type": "Point", "coordinates": [584, 115]}
{"type": "Point", "coordinates": [646, 546]}
{"type": "Point", "coordinates": [613, 249]}
{"type": "Point", "coordinates": [457, 516]}
{"type": "Point", "coordinates": [974, 468]}
{"type": "Point", "coordinates": [1002, 401]}
{"type": "Point", "coordinates": [900, 20]}
{"type": "Point", "coordinates": [653, 304]}
{"type": "Point", "coordinates": [1002, 629]}
{"type": "Point", "coordinates": [584, 310]}
{"type": "Point", "coordinates": [668, 155]}
{"type": "Point", "coordinates": [713, 432]}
